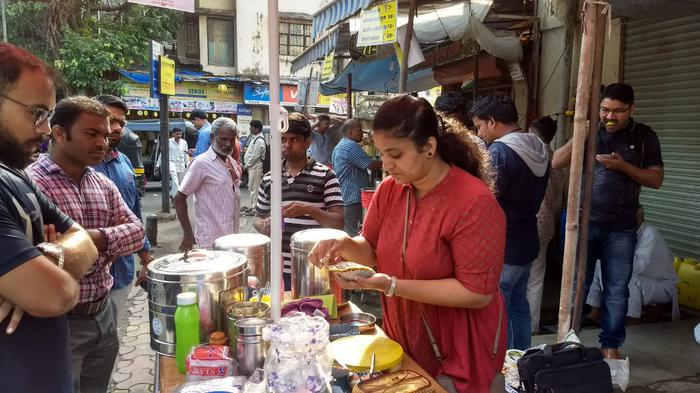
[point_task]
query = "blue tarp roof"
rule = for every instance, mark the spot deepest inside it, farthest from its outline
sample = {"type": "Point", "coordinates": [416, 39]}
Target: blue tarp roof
{"type": "Point", "coordinates": [142, 77]}
{"type": "Point", "coordinates": [380, 76]}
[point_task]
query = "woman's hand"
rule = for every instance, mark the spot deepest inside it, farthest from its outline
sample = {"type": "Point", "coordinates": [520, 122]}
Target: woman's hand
{"type": "Point", "coordinates": [379, 282]}
{"type": "Point", "coordinates": [328, 252]}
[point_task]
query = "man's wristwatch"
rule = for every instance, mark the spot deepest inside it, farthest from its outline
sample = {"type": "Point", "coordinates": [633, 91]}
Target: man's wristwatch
{"type": "Point", "coordinates": [52, 251]}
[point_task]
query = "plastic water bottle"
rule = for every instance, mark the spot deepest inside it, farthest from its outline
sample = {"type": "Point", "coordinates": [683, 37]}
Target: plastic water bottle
{"type": "Point", "coordinates": [186, 327]}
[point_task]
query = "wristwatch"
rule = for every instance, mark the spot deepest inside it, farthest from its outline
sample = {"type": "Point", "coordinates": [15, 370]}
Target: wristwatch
{"type": "Point", "coordinates": [52, 251]}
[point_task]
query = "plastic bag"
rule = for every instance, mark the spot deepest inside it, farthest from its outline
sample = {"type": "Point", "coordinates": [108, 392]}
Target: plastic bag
{"type": "Point", "coordinates": [299, 358]}
{"type": "Point", "coordinates": [619, 372]}
{"type": "Point", "coordinates": [224, 385]}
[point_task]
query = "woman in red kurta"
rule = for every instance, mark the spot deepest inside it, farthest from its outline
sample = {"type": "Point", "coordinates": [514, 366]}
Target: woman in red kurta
{"type": "Point", "coordinates": [454, 246]}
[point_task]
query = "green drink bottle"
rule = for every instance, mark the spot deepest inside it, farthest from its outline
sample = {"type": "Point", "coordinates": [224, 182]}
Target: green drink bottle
{"type": "Point", "coordinates": [186, 327]}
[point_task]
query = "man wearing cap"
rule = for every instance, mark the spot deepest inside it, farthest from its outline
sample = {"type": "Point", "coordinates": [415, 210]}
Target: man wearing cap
{"type": "Point", "coordinates": [199, 119]}
{"type": "Point", "coordinates": [310, 192]}
{"type": "Point", "coordinates": [213, 179]}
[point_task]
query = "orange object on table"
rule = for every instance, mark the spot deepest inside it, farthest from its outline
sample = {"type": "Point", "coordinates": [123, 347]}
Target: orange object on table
{"type": "Point", "coordinates": [167, 377]}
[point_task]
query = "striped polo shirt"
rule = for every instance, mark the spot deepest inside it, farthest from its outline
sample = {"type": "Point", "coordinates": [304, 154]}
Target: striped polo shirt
{"type": "Point", "coordinates": [350, 163]}
{"type": "Point", "coordinates": [315, 184]}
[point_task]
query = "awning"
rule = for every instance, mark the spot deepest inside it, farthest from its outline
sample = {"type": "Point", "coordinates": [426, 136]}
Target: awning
{"type": "Point", "coordinates": [317, 50]}
{"type": "Point", "coordinates": [381, 76]}
{"type": "Point", "coordinates": [462, 71]}
{"type": "Point", "coordinates": [334, 12]}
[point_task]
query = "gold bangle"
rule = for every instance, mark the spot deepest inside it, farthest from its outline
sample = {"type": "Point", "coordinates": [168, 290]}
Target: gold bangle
{"type": "Point", "coordinates": [392, 287]}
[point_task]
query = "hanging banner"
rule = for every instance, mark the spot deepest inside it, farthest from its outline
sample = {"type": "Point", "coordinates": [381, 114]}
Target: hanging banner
{"type": "Point", "coordinates": [327, 73]}
{"type": "Point", "coordinates": [166, 83]}
{"type": "Point", "coordinates": [338, 106]}
{"type": "Point", "coordinates": [180, 5]}
{"type": "Point", "coordinates": [378, 25]}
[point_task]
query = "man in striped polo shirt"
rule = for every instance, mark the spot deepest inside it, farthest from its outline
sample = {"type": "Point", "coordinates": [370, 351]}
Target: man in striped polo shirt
{"type": "Point", "coordinates": [350, 162]}
{"type": "Point", "coordinates": [310, 192]}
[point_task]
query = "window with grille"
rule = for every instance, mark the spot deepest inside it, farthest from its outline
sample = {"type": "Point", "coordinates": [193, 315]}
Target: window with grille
{"type": "Point", "coordinates": [191, 36]}
{"type": "Point", "coordinates": [220, 41]}
{"type": "Point", "coordinates": [294, 38]}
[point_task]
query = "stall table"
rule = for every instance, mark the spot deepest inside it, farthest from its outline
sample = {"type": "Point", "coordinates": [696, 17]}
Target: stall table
{"type": "Point", "coordinates": [168, 378]}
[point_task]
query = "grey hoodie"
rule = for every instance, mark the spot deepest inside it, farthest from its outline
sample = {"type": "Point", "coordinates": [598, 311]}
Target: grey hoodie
{"type": "Point", "coordinates": [530, 149]}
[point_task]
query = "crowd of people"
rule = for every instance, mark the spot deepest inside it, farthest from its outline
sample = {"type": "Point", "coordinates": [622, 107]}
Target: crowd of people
{"type": "Point", "coordinates": [458, 230]}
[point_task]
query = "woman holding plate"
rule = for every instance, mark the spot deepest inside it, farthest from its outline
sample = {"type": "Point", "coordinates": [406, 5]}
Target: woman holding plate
{"type": "Point", "coordinates": [435, 234]}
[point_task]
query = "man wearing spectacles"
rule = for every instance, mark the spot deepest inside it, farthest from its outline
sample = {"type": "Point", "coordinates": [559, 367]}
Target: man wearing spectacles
{"type": "Point", "coordinates": [38, 273]}
{"type": "Point", "coordinates": [628, 157]}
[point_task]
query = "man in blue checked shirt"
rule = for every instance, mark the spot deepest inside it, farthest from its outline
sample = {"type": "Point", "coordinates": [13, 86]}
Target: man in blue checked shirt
{"type": "Point", "coordinates": [350, 164]}
{"type": "Point", "coordinates": [117, 167]}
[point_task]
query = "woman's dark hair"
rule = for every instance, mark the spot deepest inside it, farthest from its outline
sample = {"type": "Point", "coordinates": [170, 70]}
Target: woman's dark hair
{"type": "Point", "coordinates": [414, 118]}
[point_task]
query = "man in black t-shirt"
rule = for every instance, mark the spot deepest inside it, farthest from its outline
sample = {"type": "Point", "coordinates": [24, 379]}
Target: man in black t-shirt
{"type": "Point", "coordinates": [38, 272]}
{"type": "Point", "coordinates": [628, 157]}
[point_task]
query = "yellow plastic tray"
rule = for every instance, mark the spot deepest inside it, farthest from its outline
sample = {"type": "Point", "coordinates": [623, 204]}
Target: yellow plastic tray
{"type": "Point", "coordinates": [356, 352]}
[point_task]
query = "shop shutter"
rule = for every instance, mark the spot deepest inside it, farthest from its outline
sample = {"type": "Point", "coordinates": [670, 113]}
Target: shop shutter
{"type": "Point", "coordinates": [662, 63]}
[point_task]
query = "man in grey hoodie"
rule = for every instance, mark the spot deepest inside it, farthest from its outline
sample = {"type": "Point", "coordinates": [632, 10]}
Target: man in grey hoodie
{"type": "Point", "coordinates": [521, 166]}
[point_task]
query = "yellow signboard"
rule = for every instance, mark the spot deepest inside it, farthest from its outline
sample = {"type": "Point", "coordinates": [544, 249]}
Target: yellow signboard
{"type": "Point", "coordinates": [166, 76]}
{"type": "Point", "coordinates": [378, 25]}
{"type": "Point", "coordinates": [328, 62]}
{"type": "Point", "coordinates": [326, 100]}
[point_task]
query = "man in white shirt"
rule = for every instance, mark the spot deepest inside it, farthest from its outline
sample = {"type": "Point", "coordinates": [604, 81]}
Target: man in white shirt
{"type": "Point", "coordinates": [177, 150]}
{"type": "Point", "coordinates": [253, 163]}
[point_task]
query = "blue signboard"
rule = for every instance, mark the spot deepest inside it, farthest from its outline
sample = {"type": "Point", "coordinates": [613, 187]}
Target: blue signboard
{"type": "Point", "coordinates": [244, 110]}
{"type": "Point", "coordinates": [254, 93]}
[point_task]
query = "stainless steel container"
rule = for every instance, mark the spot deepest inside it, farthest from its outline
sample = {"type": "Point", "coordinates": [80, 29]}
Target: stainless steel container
{"type": "Point", "coordinates": [207, 273]}
{"type": "Point", "coordinates": [250, 346]}
{"type": "Point", "coordinates": [242, 310]}
{"type": "Point", "coordinates": [307, 278]}
{"type": "Point", "coordinates": [255, 247]}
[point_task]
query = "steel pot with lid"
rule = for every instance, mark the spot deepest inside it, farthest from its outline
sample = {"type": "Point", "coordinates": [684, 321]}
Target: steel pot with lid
{"type": "Point", "coordinates": [256, 247]}
{"type": "Point", "coordinates": [307, 278]}
{"type": "Point", "coordinates": [208, 274]}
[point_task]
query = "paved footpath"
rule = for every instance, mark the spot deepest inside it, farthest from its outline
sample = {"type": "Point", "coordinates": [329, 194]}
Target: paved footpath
{"type": "Point", "coordinates": [135, 364]}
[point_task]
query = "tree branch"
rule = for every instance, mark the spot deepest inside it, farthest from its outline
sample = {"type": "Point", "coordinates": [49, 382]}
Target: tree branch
{"type": "Point", "coordinates": [107, 7]}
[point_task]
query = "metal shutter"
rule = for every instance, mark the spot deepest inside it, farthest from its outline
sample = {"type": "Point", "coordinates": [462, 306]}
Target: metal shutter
{"type": "Point", "coordinates": [662, 63]}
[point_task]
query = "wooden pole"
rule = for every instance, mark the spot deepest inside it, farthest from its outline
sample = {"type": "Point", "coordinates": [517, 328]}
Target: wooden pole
{"type": "Point", "coordinates": [348, 97]}
{"type": "Point", "coordinates": [589, 169]}
{"type": "Point", "coordinates": [579, 139]}
{"type": "Point", "coordinates": [403, 79]}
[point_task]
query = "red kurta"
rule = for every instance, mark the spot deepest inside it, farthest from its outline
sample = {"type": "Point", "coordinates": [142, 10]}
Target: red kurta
{"type": "Point", "coordinates": [456, 230]}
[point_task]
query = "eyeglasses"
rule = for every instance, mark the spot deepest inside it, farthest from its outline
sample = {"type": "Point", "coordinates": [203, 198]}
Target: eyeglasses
{"type": "Point", "coordinates": [607, 111]}
{"type": "Point", "coordinates": [40, 114]}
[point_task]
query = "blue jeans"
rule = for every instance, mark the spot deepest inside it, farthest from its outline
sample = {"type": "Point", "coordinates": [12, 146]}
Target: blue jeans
{"type": "Point", "coordinates": [513, 285]}
{"type": "Point", "coordinates": [615, 250]}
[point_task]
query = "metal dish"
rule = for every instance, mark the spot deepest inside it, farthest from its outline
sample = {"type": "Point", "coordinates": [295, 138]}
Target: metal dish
{"type": "Point", "coordinates": [363, 321]}
{"type": "Point", "coordinates": [341, 330]}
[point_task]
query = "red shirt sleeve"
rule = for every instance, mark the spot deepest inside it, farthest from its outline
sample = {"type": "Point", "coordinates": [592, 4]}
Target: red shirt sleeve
{"type": "Point", "coordinates": [478, 245]}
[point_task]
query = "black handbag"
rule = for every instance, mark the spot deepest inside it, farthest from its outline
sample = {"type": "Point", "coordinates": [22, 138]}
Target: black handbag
{"type": "Point", "coordinates": [567, 367]}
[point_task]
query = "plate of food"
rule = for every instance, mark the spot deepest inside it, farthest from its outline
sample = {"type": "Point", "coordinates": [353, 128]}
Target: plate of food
{"type": "Point", "coordinates": [351, 270]}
